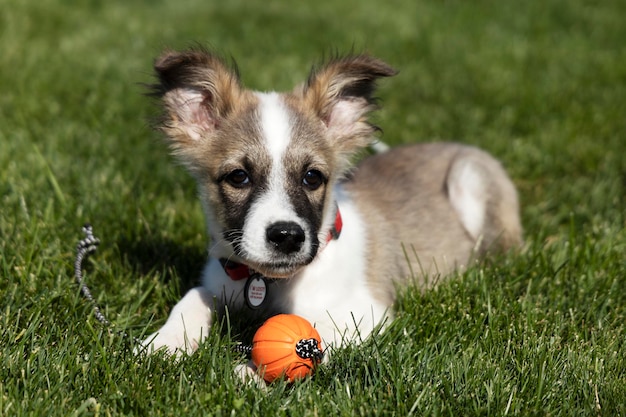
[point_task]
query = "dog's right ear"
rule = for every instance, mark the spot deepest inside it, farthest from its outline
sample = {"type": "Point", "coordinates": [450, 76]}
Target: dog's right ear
{"type": "Point", "coordinates": [198, 90]}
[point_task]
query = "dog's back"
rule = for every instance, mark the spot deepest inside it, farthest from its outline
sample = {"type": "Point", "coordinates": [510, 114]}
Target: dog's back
{"type": "Point", "coordinates": [432, 208]}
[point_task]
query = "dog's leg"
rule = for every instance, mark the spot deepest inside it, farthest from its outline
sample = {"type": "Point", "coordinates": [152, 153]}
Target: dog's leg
{"type": "Point", "coordinates": [248, 374]}
{"type": "Point", "coordinates": [187, 325]}
{"type": "Point", "coordinates": [485, 200]}
{"type": "Point", "coordinates": [468, 195]}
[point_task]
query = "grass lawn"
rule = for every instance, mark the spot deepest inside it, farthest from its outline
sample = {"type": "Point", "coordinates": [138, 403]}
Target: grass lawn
{"type": "Point", "coordinates": [541, 84]}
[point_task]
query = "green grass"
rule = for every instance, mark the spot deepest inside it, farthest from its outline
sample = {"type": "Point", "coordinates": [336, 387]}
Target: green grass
{"type": "Point", "coordinates": [541, 84]}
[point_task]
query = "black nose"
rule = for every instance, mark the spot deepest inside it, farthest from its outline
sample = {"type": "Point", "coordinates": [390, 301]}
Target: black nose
{"type": "Point", "coordinates": [286, 237]}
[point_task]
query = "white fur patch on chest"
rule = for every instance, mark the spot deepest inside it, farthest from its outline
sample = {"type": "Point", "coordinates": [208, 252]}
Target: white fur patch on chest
{"type": "Point", "coordinates": [333, 292]}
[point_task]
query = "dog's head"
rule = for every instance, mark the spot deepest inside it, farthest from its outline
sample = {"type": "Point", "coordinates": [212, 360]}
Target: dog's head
{"type": "Point", "coordinates": [266, 162]}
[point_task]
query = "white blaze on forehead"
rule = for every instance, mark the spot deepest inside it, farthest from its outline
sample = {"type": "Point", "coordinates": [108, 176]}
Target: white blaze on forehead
{"type": "Point", "coordinates": [274, 125]}
{"type": "Point", "coordinates": [276, 131]}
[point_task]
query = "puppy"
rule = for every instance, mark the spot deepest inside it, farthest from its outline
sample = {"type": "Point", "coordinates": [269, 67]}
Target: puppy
{"type": "Point", "coordinates": [292, 228]}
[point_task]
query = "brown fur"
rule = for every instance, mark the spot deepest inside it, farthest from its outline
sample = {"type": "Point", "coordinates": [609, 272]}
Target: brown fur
{"type": "Point", "coordinates": [414, 232]}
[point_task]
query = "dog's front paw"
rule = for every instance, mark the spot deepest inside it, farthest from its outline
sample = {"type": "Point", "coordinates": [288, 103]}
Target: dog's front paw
{"type": "Point", "coordinates": [186, 327]}
{"type": "Point", "coordinates": [171, 340]}
{"type": "Point", "coordinates": [249, 375]}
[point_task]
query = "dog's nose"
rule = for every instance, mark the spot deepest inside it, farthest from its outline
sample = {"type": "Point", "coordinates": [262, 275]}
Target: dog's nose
{"type": "Point", "coordinates": [286, 237]}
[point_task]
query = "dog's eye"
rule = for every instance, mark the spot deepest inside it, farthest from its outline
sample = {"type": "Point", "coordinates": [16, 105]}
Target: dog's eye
{"type": "Point", "coordinates": [238, 178]}
{"type": "Point", "coordinates": [313, 179]}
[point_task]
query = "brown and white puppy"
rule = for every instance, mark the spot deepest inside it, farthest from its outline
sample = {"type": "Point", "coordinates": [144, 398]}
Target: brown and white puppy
{"type": "Point", "coordinates": [292, 228]}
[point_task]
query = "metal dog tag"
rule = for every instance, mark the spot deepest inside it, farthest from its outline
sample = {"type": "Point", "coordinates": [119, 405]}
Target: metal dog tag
{"type": "Point", "coordinates": [255, 291]}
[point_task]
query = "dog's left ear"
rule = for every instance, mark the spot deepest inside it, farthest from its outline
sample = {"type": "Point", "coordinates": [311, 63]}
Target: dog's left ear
{"type": "Point", "coordinates": [340, 93]}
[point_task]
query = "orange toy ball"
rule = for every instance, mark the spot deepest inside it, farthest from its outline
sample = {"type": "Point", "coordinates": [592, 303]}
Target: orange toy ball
{"type": "Point", "coordinates": [286, 345]}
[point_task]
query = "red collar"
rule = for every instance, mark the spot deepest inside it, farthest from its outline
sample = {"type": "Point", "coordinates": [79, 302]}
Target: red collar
{"type": "Point", "coordinates": [237, 271]}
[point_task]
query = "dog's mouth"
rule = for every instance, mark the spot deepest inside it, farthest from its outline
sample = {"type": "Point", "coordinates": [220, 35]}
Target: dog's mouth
{"type": "Point", "coordinates": [273, 265]}
{"type": "Point", "coordinates": [279, 269]}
